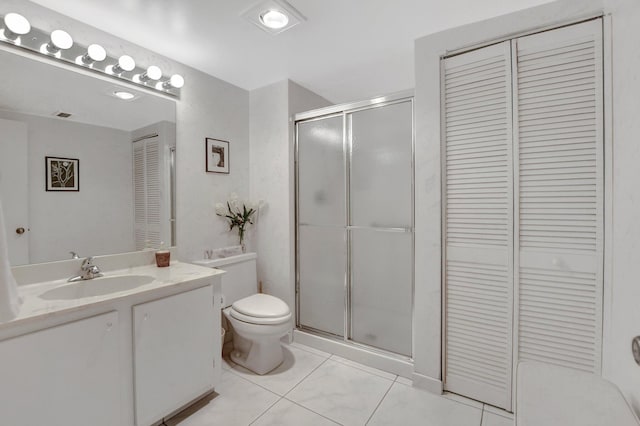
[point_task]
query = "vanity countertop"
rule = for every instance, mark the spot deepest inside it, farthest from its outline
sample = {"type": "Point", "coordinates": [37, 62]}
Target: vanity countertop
{"type": "Point", "coordinates": [36, 308]}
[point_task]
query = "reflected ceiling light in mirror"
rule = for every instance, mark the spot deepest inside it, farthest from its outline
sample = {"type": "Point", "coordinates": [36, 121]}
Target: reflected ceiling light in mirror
{"type": "Point", "coordinates": [274, 19]}
{"type": "Point", "coordinates": [95, 53]}
{"type": "Point", "coordinates": [125, 96]}
{"type": "Point", "coordinates": [15, 25]}
{"type": "Point", "coordinates": [59, 40]}
{"type": "Point", "coordinates": [176, 81]}
{"type": "Point", "coordinates": [152, 73]}
{"type": "Point", "coordinates": [125, 63]}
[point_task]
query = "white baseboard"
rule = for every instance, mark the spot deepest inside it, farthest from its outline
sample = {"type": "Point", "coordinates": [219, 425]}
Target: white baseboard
{"type": "Point", "coordinates": [427, 383]}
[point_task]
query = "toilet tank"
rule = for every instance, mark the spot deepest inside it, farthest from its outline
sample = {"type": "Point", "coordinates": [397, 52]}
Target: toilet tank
{"type": "Point", "coordinates": [240, 279]}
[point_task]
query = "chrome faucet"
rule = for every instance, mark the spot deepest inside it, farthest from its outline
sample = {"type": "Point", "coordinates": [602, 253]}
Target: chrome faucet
{"type": "Point", "coordinates": [89, 271]}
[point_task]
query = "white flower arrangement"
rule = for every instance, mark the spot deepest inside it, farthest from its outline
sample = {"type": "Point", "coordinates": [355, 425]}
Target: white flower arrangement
{"type": "Point", "coordinates": [239, 213]}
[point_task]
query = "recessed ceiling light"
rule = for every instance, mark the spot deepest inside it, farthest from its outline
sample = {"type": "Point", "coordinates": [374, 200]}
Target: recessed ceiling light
{"type": "Point", "coordinates": [274, 19]}
{"type": "Point", "coordinates": [273, 16]}
{"type": "Point", "coordinates": [125, 96]}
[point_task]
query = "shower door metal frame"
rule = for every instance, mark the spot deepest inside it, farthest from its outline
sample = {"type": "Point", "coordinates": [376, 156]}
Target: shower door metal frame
{"type": "Point", "coordinates": [345, 111]}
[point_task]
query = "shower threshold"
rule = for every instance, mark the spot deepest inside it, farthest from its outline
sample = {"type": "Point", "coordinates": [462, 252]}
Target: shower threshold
{"type": "Point", "coordinates": [371, 357]}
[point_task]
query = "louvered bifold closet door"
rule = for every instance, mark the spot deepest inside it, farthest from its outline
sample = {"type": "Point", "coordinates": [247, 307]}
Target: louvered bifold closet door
{"type": "Point", "coordinates": [478, 223]}
{"type": "Point", "coordinates": [559, 143]}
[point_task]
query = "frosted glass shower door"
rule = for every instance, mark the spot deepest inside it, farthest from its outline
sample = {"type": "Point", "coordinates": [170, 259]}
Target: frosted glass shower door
{"type": "Point", "coordinates": [381, 227]}
{"type": "Point", "coordinates": [322, 252]}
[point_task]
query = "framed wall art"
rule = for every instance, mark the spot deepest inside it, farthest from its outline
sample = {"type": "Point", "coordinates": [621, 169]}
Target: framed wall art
{"type": "Point", "coordinates": [217, 154]}
{"type": "Point", "coordinates": [62, 174]}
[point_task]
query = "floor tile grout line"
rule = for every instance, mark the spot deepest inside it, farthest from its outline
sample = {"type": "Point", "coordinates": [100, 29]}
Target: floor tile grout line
{"type": "Point", "coordinates": [235, 373]}
{"type": "Point", "coordinates": [362, 369]}
{"type": "Point", "coordinates": [254, 383]}
{"type": "Point", "coordinates": [266, 410]}
{"type": "Point", "coordinates": [309, 409]}
{"type": "Point", "coordinates": [304, 378]}
{"type": "Point", "coordinates": [379, 403]}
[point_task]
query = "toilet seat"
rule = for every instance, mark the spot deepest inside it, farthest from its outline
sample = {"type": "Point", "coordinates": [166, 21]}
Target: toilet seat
{"type": "Point", "coordinates": [261, 309]}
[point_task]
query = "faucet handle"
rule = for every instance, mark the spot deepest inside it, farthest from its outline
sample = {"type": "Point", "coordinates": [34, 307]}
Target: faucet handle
{"type": "Point", "coordinates": [87, 262]}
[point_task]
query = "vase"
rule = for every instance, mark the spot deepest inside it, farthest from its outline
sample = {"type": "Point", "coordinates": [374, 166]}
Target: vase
{"type": "Point", "coordinates": [241, 238]}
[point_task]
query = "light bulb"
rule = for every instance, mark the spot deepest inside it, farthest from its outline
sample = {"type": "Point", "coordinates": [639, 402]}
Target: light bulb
{"type": "Point", "coordinates": [125, 63]}
{"type": "Point", "coordinates": [274, 19]}
{"type": "Point", "coordinates": [152, 73]}
{"type": "Point", "coordinates": [176, 81]}
{"type": "Point", "coordinates": [95, 53]}
{"type": "Point", "coordinates": [15, 26]}
{"type": "Point", "coordinates": [61, 39]}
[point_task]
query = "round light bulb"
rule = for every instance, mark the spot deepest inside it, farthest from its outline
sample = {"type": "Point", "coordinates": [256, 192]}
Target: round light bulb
{"type": "Point", "coordinates": [96, 52]}
{"type": "Point", "coordinates": [61, 39]}
{"type": "Point", "coordinates": [127, 63]}
{"type": "Point", "coordinates": [154, 73]}
{"type": "Point", "coordinates": [125, 96]}
{"type": "Point", "coordinates": [274, 19]}
{"type": "Point", "coordinates": [176, 81]}
{"type": "Point", "coordinates": [17, 23]}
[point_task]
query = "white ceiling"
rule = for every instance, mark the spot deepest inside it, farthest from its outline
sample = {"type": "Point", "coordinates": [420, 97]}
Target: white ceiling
{"type": "Point", "coordinates": [346, 50]}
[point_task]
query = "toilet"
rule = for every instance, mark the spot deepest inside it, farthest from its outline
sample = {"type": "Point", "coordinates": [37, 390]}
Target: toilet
{"type": "Point", "coordinates": [258, 321]}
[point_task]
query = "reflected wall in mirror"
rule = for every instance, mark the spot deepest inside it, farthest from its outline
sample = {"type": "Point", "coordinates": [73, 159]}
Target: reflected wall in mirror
{"type": "Point", "coordinates": [125, 148]}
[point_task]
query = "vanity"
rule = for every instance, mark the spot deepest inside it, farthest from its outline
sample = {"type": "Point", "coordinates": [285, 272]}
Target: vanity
{"type": "Point", "coordinates": [129, 348]}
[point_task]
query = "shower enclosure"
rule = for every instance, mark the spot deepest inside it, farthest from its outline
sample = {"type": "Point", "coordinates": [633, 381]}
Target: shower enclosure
{"type": "Point", "coordinates": [354, 223]}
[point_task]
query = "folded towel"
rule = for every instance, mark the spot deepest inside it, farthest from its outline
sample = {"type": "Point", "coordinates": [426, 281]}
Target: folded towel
{"type": "Point", "coordinates": [9, 300]}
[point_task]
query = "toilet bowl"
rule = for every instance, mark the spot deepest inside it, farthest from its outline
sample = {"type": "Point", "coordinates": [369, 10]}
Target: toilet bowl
{"type": "Point", "coordinates": [258, 322]}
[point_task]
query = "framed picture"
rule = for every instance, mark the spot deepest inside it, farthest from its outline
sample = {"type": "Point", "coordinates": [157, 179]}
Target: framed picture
{"type": "Point", "coordinates": [62, 174]}
{"type": "Point", "coordinates": [217, 154]}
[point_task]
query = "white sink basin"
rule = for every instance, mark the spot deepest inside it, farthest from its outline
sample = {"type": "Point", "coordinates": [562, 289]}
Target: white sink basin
{"type": "Point", "coordinates": [96, 287]}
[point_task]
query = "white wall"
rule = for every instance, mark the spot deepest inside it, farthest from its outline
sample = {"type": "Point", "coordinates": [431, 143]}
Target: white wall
{"type": "Point", "coordinates": [208, 107]}
{"type": "Point", "coordinates": [622, 292]}
{"type": "Point", "coordinates": [99, 218]}
{"type": "Point", "coordinates": [272, 180]}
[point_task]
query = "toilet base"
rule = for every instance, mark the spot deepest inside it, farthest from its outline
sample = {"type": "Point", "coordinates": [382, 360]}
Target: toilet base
{"type": "Point", "coordinates": [261, 355]}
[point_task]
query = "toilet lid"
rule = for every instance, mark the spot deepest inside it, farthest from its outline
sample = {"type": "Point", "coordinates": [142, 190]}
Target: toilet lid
{"type": "Point", "coordinates": [261, 306]}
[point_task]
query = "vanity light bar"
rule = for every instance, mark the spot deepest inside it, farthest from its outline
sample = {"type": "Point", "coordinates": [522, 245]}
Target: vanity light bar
{"type": "Point", "coordinates": [16, 31]}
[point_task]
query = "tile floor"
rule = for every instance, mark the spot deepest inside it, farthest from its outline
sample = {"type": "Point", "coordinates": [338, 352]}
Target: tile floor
{"type": "Point", "coordinates": [316, 388]}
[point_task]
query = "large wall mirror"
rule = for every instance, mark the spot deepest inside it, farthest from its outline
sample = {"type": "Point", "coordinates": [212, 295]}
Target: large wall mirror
{"type": "Point", "coordinates": [82, 170]}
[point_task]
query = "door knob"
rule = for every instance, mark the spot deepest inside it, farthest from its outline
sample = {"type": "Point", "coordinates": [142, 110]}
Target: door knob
{"type": "Point", "coordinates": [20, 231]}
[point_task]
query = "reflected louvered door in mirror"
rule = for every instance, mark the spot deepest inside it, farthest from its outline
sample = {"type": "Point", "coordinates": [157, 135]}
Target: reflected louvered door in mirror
{"type": "Point", "coordinates": [478, 224]}
{"type": "Point", "coordinates": [559, 145]}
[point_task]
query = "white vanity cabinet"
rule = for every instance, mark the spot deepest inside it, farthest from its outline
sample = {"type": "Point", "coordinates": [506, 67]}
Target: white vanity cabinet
{"type": "Point", "coordinates": [64, 375]}
{"type": "Point", "coordinates": [173, 351]}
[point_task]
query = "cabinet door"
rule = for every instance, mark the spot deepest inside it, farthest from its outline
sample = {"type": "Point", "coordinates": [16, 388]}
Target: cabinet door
{"type": "Point", "coordinates": [478, 224]}
{"type": "Point", "coordinates": [66, 375]}
{"type": "Point", "coordinates": [173, 352]}
{"type": "Point", "coordinates": [559, 143]}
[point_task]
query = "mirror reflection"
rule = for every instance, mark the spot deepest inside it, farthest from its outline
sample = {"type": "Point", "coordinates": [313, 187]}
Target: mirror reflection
{"type": "Point", "coordinates": [86, 165]}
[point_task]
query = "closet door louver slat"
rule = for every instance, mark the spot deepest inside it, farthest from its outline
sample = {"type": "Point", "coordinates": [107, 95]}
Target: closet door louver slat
{"type": "Point", "coordinates": [559, 245]}
{"type": "Point", "coordinates": [478, 223]}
